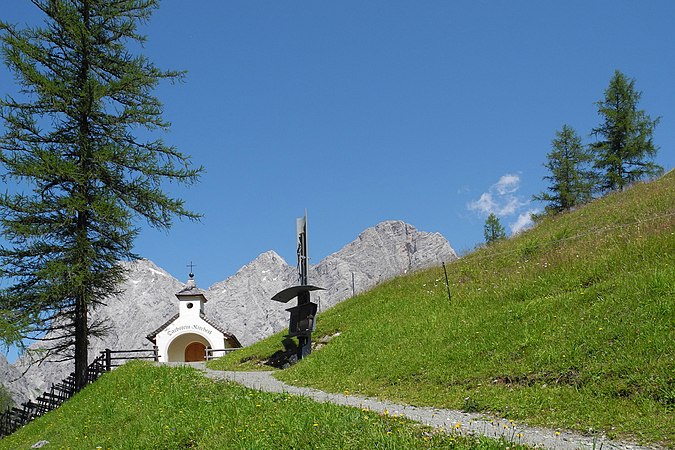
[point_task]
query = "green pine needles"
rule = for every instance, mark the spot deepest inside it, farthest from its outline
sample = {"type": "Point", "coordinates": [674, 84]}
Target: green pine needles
{"type": "Point", "coordinates": [79, 175]}
{"type": "Point", "coordinates": [623, 153]}
{"type": "Point", "coordinates": [493, 230]}
{"type": "Point", "coordinates": [625, 150]}
{"type": "Point", "coordinates": [571, 180]}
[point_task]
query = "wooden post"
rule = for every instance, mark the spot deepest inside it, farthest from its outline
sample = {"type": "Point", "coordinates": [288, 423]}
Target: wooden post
{"type": "Point", "coordinates": [447, 285]}
{"type": "Point", "coordinates": [108, 360]}
{"type": "Point", "coordinates": [155, 353]}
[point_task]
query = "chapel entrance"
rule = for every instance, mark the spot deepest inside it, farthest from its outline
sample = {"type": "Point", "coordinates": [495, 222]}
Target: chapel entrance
{"type": "Point", "coordinates": [187, 345]}
{"type": "Point", "coordinates": [195, 352]}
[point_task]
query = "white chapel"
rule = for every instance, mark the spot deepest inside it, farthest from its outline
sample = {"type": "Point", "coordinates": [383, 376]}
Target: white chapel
{"type": "Point", "coordinates": [187, 335]}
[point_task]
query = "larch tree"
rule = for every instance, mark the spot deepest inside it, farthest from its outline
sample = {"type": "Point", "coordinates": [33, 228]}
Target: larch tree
{"type": "Point", "coordinates": [81, 173]}
{"type": "Point", "coordinates": [493, 229]}
{"type": "Point", "coordinates": [571, 179]}
{"type": "Point", "coordinates": [625, 150]}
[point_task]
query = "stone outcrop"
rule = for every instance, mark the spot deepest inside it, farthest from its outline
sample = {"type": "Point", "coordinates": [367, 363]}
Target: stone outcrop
{"type": "Point", "coordinates": [241, 304]}
{"type": "Point", "coordinates": [380, 253]}
{"type": "Point", "coordinates": [16, 384]}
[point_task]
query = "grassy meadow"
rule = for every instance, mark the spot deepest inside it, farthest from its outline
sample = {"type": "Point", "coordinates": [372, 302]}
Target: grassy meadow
{"type": "Point", "coordinates": [568, 325]}
{"type": "Point", "coordinates": [140, 406]}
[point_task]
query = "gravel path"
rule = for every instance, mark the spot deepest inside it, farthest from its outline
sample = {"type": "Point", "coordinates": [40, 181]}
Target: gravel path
{"type": "Point", "coordinates": [466, 423]}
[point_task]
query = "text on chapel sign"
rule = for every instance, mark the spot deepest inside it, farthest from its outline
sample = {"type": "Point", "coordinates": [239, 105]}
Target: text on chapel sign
{"type": "Point", "coordinates": [174, 330]}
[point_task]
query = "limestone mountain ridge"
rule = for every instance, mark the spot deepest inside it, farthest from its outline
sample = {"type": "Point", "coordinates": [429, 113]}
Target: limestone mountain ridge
{"type": "Point", "coordinates": [241, 304]}
{"type": "Point", "coordinates": [12, 380]}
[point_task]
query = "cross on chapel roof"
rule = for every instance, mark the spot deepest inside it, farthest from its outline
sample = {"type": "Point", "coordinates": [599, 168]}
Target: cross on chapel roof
{"type": "Point", "coordinates": [191, 266]}
{"type": "Point", "coordinates": [190, 289]}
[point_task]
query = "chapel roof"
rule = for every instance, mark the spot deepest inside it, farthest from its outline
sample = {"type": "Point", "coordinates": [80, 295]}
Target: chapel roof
{"type": "Point", "coordinates": [151, 337]}
{"type": "Point", "coordinates": [190, 289]}
{"type": "Point", "coordinates": [229, 336]}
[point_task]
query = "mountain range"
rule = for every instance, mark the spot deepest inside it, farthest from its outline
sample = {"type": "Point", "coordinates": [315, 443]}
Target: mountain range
{"type": "Point", "coordinates": [242, 304]}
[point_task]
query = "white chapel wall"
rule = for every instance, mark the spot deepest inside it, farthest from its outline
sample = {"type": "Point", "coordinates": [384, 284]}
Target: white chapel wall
{"type": "Point", "coordinates": [172, 341]}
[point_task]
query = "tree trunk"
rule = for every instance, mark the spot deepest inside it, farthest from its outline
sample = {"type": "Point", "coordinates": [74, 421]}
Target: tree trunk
{"type": "Point", "coordinates": [84, 151]}
{"type": "Point", "coordinates": [81, 342]}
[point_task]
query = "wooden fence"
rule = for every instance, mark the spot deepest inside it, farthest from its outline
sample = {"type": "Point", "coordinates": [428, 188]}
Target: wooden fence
{"type": "Point", "coordinates": [215, 353]}
{"type": "Point", "coordinates": [16, 417]}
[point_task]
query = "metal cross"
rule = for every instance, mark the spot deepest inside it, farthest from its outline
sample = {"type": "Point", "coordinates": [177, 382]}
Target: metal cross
{"type": "Point", "coordinates": [191, 266]}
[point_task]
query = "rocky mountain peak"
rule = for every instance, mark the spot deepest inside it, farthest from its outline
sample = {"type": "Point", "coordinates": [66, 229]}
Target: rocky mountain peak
{"type": "Point", "coordinates": [242, 304]}
{"type": "Point", "coordinates": [269, 260]}
{"type": "Point", "coordinates": [11, 378]}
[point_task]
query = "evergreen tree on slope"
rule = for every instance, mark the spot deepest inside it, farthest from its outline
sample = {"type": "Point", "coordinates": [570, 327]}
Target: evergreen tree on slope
{"type": "Point", "coordinates": [493, 229]}
{"type": "Point", "coordinates": [625, 151]}
{"type": "Point", "coordinates": [82, 175]}
{"type": "Point", "coordinates": [571, 181]}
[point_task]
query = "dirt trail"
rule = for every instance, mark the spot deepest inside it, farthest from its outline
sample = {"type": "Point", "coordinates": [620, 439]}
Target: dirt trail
{"type": "Point", "coordinates": [451, 420]}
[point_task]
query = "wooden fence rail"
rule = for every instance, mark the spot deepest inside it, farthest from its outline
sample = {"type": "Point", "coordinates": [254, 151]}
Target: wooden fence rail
{"type": "Point", "coordinates": [16, 417]}
{"type": "Point", "coordinates": [215, 353]}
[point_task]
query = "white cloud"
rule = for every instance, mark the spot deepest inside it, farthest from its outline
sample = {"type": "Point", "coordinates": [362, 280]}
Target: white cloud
{"type": "Point", "coordinates": [507, 184]}
{"type": "Point", "coordinates": [500, 199]}
{"type": "Point", "coordinates": [510, 206]}
{"type": "Point", "coordinates": [484, 204]}
{"type": "Point", "coordinates": [523, 222]}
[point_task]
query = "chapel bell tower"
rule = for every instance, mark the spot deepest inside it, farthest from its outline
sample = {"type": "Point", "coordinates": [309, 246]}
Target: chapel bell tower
{"type": "Point", "coordinates": [191, 299]}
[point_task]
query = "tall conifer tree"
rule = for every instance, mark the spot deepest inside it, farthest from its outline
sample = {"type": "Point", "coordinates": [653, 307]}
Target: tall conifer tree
{"type": "Point", "coordinates": [625, 149]}
{"type": "Point", "coordinates": [493, 229]}
{"type": "Point", "coordinates": [571, 180]}
{"type": "Point", "coordinates": [82, 175]}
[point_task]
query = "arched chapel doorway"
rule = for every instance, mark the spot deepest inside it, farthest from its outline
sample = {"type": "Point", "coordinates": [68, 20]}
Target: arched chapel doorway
{"type": "Point", "coordinates": [195, 351]}
{"type": "Point", "coordinates": [187, 347]}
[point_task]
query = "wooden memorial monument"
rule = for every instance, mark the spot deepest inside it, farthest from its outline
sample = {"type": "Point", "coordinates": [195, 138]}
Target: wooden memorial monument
{"type": "Point", "coordinates": [303, 316]}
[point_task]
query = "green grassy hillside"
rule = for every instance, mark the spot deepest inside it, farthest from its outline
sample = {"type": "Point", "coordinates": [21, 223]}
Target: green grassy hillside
{"type": "Point", "coordinates": [140, 406]}
{"type": "Point", "coordinates": [570, 324]}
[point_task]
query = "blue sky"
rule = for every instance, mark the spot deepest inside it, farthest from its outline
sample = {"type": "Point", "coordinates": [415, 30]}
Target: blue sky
{"type": "Point", "coordinates": [435, 113]}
